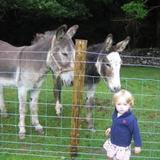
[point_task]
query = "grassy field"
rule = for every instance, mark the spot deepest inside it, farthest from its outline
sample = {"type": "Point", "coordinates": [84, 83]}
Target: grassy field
{"type": "Point", "coordinates": [144, 83]}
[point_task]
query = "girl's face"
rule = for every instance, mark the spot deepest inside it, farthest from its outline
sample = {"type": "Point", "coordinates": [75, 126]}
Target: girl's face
{"type": "Point", "coordinates": [122, 106]}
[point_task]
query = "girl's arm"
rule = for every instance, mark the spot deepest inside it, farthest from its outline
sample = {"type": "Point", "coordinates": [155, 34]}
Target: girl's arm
{"type": "Point", "coordinates": [136, 137]}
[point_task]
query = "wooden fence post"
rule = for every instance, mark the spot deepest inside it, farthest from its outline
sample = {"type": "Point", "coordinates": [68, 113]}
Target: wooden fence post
{"type": "Point", "coordinates": [78, 88]}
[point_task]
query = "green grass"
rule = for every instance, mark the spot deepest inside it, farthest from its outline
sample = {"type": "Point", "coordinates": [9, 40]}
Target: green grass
{"type": "Point", "coordinates": [143, 82]}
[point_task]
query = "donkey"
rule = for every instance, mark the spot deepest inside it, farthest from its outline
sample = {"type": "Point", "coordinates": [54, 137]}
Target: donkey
{"type": "Point", "coordinates": [105, 64]}
{"type": "Point", "coordinates": [26, 67]}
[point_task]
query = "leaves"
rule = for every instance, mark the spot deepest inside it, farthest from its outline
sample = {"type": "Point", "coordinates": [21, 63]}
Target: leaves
{"type": "Point", "coordinates": [54, 8]}
{"type": "Point", "coordinates": [73, 8]}
{"type": "Point", "coordinates": [135, 9]}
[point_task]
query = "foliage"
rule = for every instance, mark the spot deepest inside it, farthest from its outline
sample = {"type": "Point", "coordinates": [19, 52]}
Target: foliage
{"type": "Point", "coordinates": [71, 8]}
{"type": "Point", "coordinates": [106, 2]}
{"type": "Point", "coordinates": [135, 9]}
{"type": "Point", "coordinates": [55, 8]}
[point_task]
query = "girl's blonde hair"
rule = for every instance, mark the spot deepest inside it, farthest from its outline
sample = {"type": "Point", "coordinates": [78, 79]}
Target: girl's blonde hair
{"type": "Point", "coordinates": [124, 93]}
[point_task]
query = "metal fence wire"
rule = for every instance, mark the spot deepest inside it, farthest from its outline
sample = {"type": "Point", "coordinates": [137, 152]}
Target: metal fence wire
{"type": "Point", "coordinates": [55, 142]}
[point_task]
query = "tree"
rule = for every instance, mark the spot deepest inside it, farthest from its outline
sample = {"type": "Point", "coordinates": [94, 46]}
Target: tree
{"type": "Point", "coordinates": [139, 17]}
{"type": "Point", "coordinates": [53, 8]}
{"type": "Point", "coordinates": [101, 16]}
{"type": "Point", "coordinates": [136, 9]}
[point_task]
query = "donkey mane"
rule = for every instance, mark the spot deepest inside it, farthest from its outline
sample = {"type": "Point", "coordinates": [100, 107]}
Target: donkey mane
{"type": "Point", "coordinates": [41, 36]}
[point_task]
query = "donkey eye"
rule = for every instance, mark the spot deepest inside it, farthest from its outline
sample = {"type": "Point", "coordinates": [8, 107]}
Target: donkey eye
{"type": "Point", "coordinates": [107, 65]}
{"type": "Point", "coordinates": [65, 54]}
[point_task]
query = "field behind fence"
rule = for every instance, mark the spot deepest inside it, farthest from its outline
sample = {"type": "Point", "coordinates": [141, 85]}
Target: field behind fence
{"type": "Point", "coordinates": [143, 82]}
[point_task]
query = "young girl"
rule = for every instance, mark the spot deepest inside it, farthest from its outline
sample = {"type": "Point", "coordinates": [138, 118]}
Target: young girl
{"type": "Point", "coordinates": [124, 127]}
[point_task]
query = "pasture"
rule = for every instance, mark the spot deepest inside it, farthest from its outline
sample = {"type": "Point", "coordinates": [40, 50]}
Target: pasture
{"type": "Point", "coordinates": [143, 82]}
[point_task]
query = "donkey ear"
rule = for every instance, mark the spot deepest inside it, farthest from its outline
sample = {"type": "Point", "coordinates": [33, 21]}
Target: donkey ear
{"type": "Point", "coordinates": [108, 42]}
{"type": "Point", "coordinates": [72, 30]}
{"type": "Point", "coordinates": [59, 34]}
{"type": "Point", "coordinates": [122, 45]}
{"type": "Point", "coordinates": [60, 31]}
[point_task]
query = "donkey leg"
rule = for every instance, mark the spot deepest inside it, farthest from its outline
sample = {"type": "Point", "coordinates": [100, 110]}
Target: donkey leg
{"type": "Point", "coordinates": [22, 96]}
{"type": "Point", "coordinates": [34, 111]}
{"type": "Point", "coordinates": [57, 95]}
{"type": "Point", "coordinates": [2, 105]}
{"type": "Point", "coordinates": [90, 89]}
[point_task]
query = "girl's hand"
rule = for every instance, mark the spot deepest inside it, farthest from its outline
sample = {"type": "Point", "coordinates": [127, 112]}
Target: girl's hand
{"type": "Point", "coordinates": [137, 150]}
{"type": "Point", "coordinates": [108, 131]}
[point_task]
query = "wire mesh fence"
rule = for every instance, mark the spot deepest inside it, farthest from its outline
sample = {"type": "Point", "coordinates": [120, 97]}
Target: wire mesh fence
{"type": "Point", "coordinates": [55, 142]}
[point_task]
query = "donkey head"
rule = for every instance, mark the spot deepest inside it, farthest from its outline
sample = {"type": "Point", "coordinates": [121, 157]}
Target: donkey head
{"type": "Point", "coordinates": [109, 62]}
{"type": "Point", "coordinates": [61, 55]}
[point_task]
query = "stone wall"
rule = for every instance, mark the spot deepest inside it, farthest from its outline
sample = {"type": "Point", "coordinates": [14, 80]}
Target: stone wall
{"type": "Point", "coordinates": [142, 57]}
